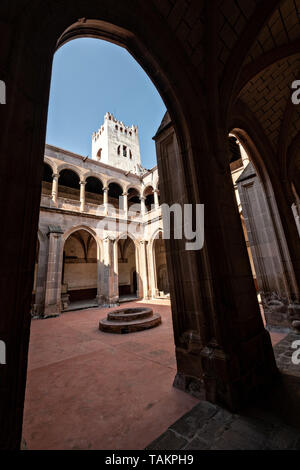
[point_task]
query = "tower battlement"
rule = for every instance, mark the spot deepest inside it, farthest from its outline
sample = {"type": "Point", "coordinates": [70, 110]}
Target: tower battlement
{"type": "Point", "coordinates": [130, 131]}
{"type": "Point", "coordinates": [117, 145]}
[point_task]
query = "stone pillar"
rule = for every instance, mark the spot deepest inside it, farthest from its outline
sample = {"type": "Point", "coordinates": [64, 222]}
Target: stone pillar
{"type": "Point", "coordinates": [138, 272]}
{"type": "Point", "coordinates": [220, 338]}
{"type": "Point", "coordinates": [125, 204]}
{"type": "Point", "coordinates": [55, 187]}
{"type": "Point", "coordinates": [39, 304]}
{"type": "Point", "coordinates": [54, 272]}
{"type": "Point", "coordinates": [143, 205]}
{"type": "Point", "coordinates": [274, 271]}
{"type": "Point", "coordinates": [108, 294]}
{"type": "Point", "coordinates": [143, 269]}
{"type": "Point", "coordinates": [82, 196]}
{"type": "Point", "coordinates": [296, 212]}
{"type": "Point", "coordinates": [105, 199]}
{"type": "Point", "coordinates": [152, 269]}
{"type": "Point", "coordinates": [156, 201]}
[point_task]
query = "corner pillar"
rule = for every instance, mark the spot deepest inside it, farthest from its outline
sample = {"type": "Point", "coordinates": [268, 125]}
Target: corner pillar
{"type": "Point", "coordinates": [55, 177]}
{"type": "Point", "coordinates": [222, 347]}
{"type": "Point", "coordinates": [54, 272]}
{"type": "Point", "coordinates": [82, 196]}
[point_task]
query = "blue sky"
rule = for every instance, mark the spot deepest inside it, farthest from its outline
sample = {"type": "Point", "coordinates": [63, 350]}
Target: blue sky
{"type": "Point", "coordinates": [91, 77]}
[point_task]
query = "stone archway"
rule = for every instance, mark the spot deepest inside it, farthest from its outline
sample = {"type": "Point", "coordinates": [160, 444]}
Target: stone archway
{"type": "Point", "coordinates": [269, 253]}
{"type": "Point", "coordinates": [127, 269]}
{"type": "Point", "coordinates": [159, 269]}
{"type": "Point", "coordinates": [79, 270]}
{"type": "Point", "coordinates": [214, 328]}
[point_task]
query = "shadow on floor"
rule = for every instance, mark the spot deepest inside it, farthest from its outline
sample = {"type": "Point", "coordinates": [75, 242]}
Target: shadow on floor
{"type": "Point", "coordinates": [271, 423]}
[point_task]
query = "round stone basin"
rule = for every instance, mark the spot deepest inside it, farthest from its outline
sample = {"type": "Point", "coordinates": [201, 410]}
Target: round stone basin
{"type": "Point", "coordinates": [129, 320]}
{"type": "Point", "coordinates": [130, 314]}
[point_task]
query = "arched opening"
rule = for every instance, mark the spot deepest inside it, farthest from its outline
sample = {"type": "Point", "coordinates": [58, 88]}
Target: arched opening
{"type": "Point", "coordinates": [160, 263]}
{"type": "Point", "coordinates": [264, 237]}
{"type": "Point", "coordinates": [79, 272]}
{"type": "Point", "coordinates": [239, 161]}
{"type": "Point", "coordinates": [151, 42]}
{"type": "Point", "coordinates": [127, 270]}
{"type": "Point", "coordinates": [68, 185]}
{"type": "Point", "coordinates": [93, 191]}
{"type": "Point", "coordinates": [149, 198]}
{"type": "Point", "coordinates": [134, 201]}
{"type": "Point", "coordinates": [115, 191]}
{"type": "Point", "coordinates": [47, 180]}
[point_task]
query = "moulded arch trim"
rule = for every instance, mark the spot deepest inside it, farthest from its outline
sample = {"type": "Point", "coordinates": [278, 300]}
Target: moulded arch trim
{"type": "Point", "coordinates": [77, 228]}
{"type": "Point", "coordinates": [254, 155]}
{"type": "Point", "coordinates": [114, 180]}
{"type": "Point", "coordinates": [62, 167]}
{"type": "Point", "coordinates": [93, 175]}
{"type": "Point", "coordinates": [133, 186]}
{"type": "Point", "coordinates": [149, 185]}
{"type": "Point", "coordinates": [154, 237]}
{"type": "Point", "coordinates": [129, 235]}
{"type": "Point", "coordinates": [52, 165]}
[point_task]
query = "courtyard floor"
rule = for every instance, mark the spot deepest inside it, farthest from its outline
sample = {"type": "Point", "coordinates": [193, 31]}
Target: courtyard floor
{"type": "Point", "coordinates": [92, 390]}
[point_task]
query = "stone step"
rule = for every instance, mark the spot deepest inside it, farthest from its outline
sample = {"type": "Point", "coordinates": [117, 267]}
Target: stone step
{"type": "Point", "coordinates": [130, 314]}
{"type": "Point", "coordinates": [123, 327]}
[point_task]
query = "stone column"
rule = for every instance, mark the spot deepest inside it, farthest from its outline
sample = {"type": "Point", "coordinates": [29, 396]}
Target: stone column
{"type": "Point", "coordinates": [105, 199]}
{"type": "Point", "coordinates": [274, 271]}
{"type": "Point", "coordinates": [55, 187]}
{"type": "Point", "coordinates": [138, 271]}
{"type": "Point", "coordinates": [219, 334]}
{"type": "Point", "coordinates": [156, 201]}
{"type": "Point", "coordinates": [143, 269]}
{"type": "Point", "coordinates": [82, 196]}
{"type": "Point", "coordinates": [108, 294]}
{"type": "Point", "coordinates": [54, 272]}
{"type": "Point", "coordinates": [143, 205]}
{"type": "Point", "coordinates": [151, 269]}
{"type": "Point", "coordinates": [125, 204]}
{"type": "Point", "coordinates": [39, 304]}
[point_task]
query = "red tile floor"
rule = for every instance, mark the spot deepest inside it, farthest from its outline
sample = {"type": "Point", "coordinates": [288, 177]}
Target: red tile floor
{"type": "Point", "coordinates": [92, 390]}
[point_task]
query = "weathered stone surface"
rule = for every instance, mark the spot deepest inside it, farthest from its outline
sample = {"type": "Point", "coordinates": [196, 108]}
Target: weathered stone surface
{"type": "Point", "coordinates": [208, 427]}
{"type": "Point", "coordinates": [193, 422]}
{"type": "Point", "coordinates": [168, 441]}
{"type": "Point", "coordinates": [129, 320]}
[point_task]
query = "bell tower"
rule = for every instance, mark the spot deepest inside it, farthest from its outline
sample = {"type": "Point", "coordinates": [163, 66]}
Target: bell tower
{"type": "Point", "coordinates": [117, 145]}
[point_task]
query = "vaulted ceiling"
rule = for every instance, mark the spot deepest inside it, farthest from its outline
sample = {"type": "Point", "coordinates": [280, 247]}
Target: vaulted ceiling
{"type": "Point", "coordinates": [257, 57]}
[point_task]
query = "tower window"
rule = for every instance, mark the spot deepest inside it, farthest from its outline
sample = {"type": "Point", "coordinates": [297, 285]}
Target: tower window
{"type": "Point", "coordinates": [116, 127]}
{"type": "Point", "coordinates": [124, 151]}
{"type": "Point", "coordinates": [99, 154]}
{"type": "Point", "coordinates": [130, 154]}
{"type": "Point", "coordinates": [119, 150]}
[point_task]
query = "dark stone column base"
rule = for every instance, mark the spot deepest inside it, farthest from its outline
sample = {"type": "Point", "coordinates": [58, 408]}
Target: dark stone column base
{"type": "Point", "coordinates": [106, 302]}
{"type": "Point", "coordinates": [236, 378]}
{"type": "Point", "coordinates": [52, 311]}
{"type": "Point", "coordinates": [191, 385]}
